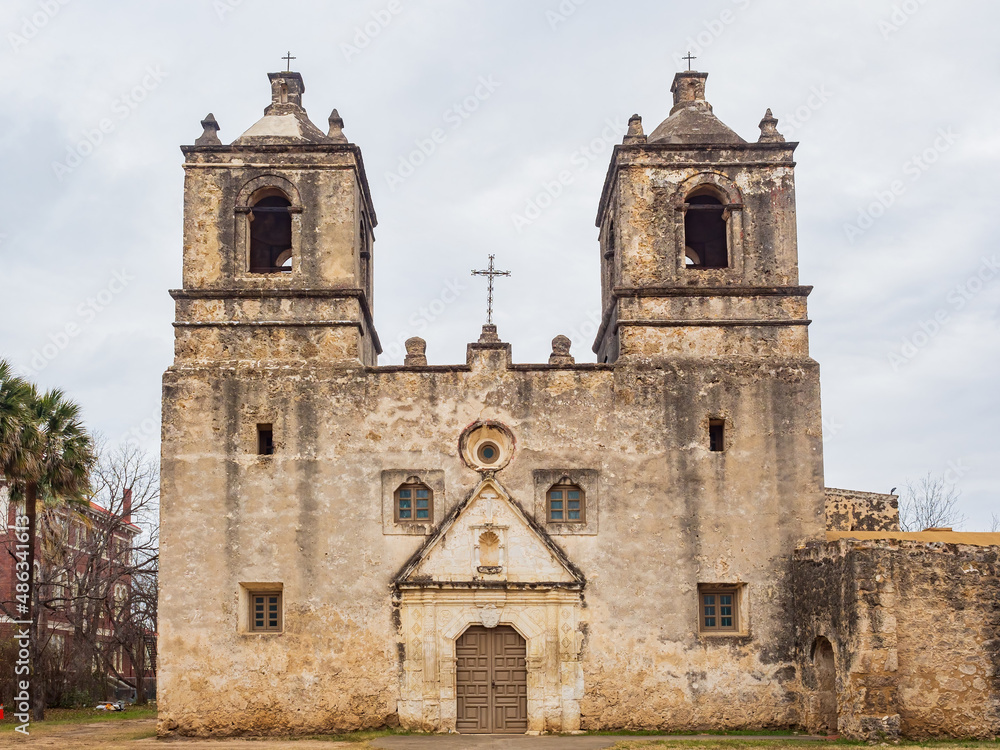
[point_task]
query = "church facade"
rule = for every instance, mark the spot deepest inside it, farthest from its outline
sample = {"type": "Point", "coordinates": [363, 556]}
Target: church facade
{"type": "Point", "coordinates": [495, 547]}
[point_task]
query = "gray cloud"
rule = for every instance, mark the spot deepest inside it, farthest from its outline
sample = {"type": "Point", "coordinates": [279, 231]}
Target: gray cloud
{"type": "Point", "coordinates": [865, 86]}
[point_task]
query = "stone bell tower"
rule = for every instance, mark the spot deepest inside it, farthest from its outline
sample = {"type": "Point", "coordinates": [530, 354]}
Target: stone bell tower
{"type": "Point", "coordinates": [278, 238]}
{"type": "Point", "coordinates": [697, 232]}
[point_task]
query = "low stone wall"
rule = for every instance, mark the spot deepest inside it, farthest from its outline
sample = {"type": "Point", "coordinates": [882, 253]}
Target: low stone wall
{"type": "Point", "coordinates": [915, 629]}
{"type": "Point", "coordinates": [851, 510]}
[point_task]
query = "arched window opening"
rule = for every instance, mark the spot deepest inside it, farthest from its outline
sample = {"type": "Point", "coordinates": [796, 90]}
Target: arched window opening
{"type": "Point", "coordinates": [824, 662]}
{"type": "Point", "coordinates": [414, 502]}
{"type": "Point", "coordinates": [705, 244]}
{"type": "Point", "coordinates": [366, 254]}
{"type": "Point", "coordinates": [566, 502]}
{"type": "Point", "coordinates": [609, 248]}
{"type": "Point", "coordinates": [271, 235]}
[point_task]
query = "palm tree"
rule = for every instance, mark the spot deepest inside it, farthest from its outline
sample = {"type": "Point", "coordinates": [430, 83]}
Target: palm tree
{"type": "Point", "coordinates": [17, 457]}
{"type": "Point", "coordinates": [46, 455]}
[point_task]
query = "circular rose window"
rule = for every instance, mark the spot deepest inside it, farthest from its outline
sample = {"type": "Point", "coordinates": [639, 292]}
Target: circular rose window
{"type": "Point", "coordinates": [487, 446]}
{"type": "Point", "coordinates": [488, 453]}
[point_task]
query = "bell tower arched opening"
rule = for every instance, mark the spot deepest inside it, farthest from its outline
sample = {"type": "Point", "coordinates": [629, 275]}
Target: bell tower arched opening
{"type": "Point", "coordinates": [705, 243]}
{"type": "Point", "coordinates": [271, 234]}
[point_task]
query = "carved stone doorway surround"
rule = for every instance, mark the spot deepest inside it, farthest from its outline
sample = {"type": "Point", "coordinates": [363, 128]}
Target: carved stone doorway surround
{"type": "Point", "coordinates": [431, 622]}
{"type": "Point", "coordinates": [529, 584]}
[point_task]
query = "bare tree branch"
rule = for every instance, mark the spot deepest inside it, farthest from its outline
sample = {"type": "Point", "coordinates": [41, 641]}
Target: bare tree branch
{"type": "Point", "coordinates": [96, 583]}
{"type": "Point", "coordinates": [929, 503]}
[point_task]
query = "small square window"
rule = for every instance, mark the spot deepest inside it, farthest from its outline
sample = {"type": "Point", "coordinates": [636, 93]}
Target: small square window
{"type": "Point", "coordinates": [414, 501]}
{"type": "Point", "coordinates": [718, 609]}
{"type": "Point", "coordinates": [265, 440]}
{"type": "Point", "coordinates": [265, 612]}
{"type": "Point", "coordinates": [717, 435]}
{"type": "Point", "coordinates": [565, 503]}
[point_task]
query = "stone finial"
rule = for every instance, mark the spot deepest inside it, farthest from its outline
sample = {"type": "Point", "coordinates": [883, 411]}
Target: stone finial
{"type": "Point", "coordinates": [337, 128]}
{"type": "Point", "coordinates": [635, 134]}
{"type": "Point", "coordinates": [209, 137]}
{"type": "Point", "coordinates": [286, 93]}
{"type": "Point", "coordinates": [560, 351]}
{"type": "Point", "coordinates": [688, 89]}
{"type": "Point", "coordinates": [416, 351]}
{"type": "Point", "coordinates": [769, 129]}
{"type": "Point", "coordinates": [489, 335]}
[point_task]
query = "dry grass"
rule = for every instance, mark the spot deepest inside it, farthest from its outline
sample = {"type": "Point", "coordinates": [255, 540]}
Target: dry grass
{"type": "Point", "coordinates": [746, 743]}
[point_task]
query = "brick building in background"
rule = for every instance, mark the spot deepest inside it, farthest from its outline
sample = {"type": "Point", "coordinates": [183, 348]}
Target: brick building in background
{"type": "Point", "coordinates": [84, 589]}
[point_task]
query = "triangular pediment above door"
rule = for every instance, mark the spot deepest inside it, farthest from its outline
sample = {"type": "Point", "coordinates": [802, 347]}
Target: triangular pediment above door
{"type": "Point", "coordinates": [489, 541]}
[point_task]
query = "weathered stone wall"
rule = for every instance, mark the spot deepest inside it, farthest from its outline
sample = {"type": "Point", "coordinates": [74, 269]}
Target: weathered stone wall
{"type": "Point", "coordinates": [653, 303]}
{"type": "Point", "coordinates": [297, 352]}
{"type": "Point", "coordinates": [916, 632]}
{"type": "Point", "coordinates": [673, 514]}
{"type": "Point", "coordinates": [850, 510]}
{"type": "Point", "coordinates": [322, 309]}
{"type": "Point", "coordinates": [948, 617]}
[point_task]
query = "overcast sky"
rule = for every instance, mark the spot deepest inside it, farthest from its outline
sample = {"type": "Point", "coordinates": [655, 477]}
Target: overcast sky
{"type": "Point", "coordinates": [895, 105]}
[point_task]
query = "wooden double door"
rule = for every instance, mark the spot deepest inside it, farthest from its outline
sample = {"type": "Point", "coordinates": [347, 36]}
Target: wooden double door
{"type": "Point", "coordinates": [491, 678]}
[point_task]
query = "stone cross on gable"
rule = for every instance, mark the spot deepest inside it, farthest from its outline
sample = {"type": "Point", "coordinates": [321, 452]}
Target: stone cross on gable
{"type": "Point", "coordinates": [488, 498]}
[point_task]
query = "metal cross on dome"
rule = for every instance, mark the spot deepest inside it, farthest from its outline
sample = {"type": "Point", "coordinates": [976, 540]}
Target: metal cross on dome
{"type": "Point", "coordinates": [689, 58]}
{"type": "Point", "coordinates": [288, 60]}
{"type": "Point", "coordinates": [490, 273]}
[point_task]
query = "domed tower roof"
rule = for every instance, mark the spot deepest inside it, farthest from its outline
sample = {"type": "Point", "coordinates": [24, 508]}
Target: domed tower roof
{"type": "Point", "coordinates": [691, 120]}
{"type": "Point", "coordinates": [285, 120]}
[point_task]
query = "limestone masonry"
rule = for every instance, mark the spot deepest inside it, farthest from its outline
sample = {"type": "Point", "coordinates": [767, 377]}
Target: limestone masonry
{"type": "Point", "coordinates": [643, 541]}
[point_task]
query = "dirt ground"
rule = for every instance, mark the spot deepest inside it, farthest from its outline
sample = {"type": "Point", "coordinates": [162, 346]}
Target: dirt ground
{"type": "Point", "coordinates": [139, 734]}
